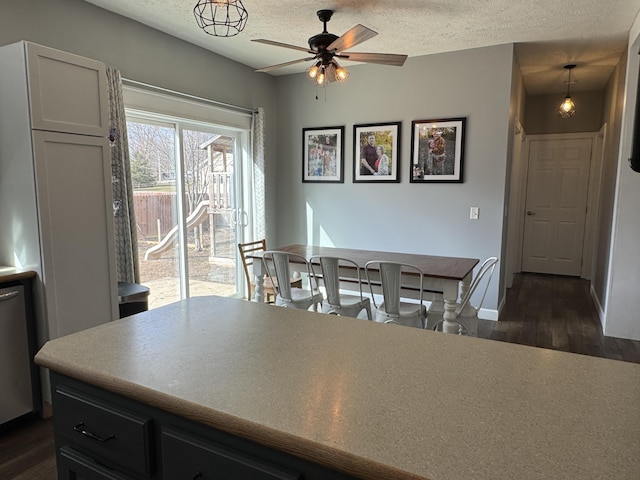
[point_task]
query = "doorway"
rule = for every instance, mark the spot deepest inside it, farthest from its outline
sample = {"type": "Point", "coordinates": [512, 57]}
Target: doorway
{"type": "Point", "coordinates": [556, 203]}
{"type": "Point", "coordinates": [187, 189]}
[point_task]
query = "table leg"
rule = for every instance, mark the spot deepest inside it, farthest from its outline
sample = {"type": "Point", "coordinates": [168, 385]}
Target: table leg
{"type": "Point", "coordinates": [450, 297]}
{"type": "Point", "coordinates": [258, 272]}
{"type": "Point", "coordinates": [464, 288]}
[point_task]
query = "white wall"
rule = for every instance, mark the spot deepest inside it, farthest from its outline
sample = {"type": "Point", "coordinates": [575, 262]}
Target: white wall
{"type": "Point", "coordinates": [403, 217]}
{"type": "Point", "coordinates": [613, 107]}
{"type": "Point", "coordinates": [622, 317]}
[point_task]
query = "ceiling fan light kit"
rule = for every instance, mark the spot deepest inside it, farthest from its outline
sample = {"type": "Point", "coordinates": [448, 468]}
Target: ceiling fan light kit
{"type": "Point", "coordinates": [221, 18]}
{"type": "Point", "coordinates": [567, 107]}
{"type": "Point", "coordinates": [326, 47]}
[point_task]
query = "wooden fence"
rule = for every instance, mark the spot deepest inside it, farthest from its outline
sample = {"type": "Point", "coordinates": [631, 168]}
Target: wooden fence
{"type": "Point", "coordinates": [154, 214]}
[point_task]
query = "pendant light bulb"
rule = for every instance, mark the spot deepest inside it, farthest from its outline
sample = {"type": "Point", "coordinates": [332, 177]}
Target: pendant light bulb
{"type": "Point", "coordinates": [568, 108]}
{"type": "Point", "coordinates": [314, 70]}
{"type": "Point", "coordinates": [321, 78]}
{"type": "Point", "coordinates": [341, 73]}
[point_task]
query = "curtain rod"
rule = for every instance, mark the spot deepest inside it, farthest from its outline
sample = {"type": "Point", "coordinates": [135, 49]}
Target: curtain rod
{"type": "Point", "coordinates": [135, 83]}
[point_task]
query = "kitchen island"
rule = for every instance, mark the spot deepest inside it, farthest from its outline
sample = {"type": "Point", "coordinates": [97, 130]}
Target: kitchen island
{"type": "Point", "coordinates": [294, 393]}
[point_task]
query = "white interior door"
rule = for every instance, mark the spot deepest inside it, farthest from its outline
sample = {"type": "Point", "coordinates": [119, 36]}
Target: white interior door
{"type": "Point", "coordinates": [556, 200]}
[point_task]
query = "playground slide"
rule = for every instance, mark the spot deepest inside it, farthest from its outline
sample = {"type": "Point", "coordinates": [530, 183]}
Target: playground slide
{"type": "Point", "coordinates": [199, 215]}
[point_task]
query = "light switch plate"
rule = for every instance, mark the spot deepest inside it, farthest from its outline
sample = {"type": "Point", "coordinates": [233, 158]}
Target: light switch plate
{"type": "Point", "coordinates": [475, 213]}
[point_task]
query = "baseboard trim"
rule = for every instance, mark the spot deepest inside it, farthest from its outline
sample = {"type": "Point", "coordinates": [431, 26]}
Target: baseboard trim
{"type": "Point", "coordinates": [598, 306]}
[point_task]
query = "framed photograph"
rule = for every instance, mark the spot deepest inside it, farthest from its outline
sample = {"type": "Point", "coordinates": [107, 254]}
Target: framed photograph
{"type": "Point", "coordinates": [437, 150]}
{"type": "Point", "coordinates": [323, 153]}
{"type": "Point", "coordinates": [376, 155]}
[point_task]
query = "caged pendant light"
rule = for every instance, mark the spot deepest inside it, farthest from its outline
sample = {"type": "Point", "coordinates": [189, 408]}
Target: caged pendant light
{"type": "Point", "coordinates": [221, 18]}
{"type": "Point", "coordinates": [568, 108]}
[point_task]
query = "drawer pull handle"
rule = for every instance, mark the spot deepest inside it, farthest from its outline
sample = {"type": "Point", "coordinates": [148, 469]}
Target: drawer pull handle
{"type": "Point", "coordinates": [9, 296]}
{"type": "Point", "coordinates": [80, 428]}
{"type": "Point", "coordinates": [197, 475]}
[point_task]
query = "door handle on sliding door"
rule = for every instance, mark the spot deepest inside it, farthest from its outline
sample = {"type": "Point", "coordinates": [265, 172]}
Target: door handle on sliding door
{"type": "Point", "coordinates": [240, 217]}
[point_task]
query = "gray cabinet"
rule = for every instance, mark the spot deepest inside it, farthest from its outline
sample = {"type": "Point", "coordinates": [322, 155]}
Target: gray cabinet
{"type": "Point", "coordinates": [101, 435]}
{"type": "Point", "coordinates": [187, 456]}
{"type": "Point", "coordinates": [55, 185]}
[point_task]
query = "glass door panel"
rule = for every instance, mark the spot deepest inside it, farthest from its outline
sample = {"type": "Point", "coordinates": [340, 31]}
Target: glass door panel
{"type": "Point", "coordinates": [191, 168]}
{"type": "Point", "coordinates": [152, 152]}
{"type": "Point", "coordinates": [209, 161]}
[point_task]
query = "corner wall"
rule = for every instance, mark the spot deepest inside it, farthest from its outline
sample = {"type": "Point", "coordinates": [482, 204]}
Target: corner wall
{"type": "Point", "coordinates": [403, 217]}
{"type": "Point", "coordinates": [621, 312]}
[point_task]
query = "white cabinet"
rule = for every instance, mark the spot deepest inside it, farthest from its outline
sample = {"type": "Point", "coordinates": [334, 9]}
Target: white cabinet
{"type": "Point", "coordinates": [67, 93]}
{"type": "Point", "coordinates": [56, 208]}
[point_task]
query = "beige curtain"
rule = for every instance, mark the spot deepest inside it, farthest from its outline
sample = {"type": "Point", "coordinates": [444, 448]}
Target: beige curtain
{"type": "Point", "coordinates": [260, 217]}
{"type": "Point", "coordinates": [123, 209]}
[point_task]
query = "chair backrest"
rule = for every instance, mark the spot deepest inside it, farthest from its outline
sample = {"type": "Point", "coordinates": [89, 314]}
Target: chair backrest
{"type": "Point", "coordinates": [246, 249]}
{"type": "Point", "coordinates": [277, 266]}
{"type": "Point", "coordinates": [487, 267]}
{"type": "Point", "coordinates": [391, 274]}
{"type": "Point", "coordinates": [330, 267]}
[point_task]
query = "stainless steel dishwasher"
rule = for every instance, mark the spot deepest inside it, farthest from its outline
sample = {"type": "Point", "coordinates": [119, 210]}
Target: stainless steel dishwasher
{"type": "Point", "coordinates": [16, 394]}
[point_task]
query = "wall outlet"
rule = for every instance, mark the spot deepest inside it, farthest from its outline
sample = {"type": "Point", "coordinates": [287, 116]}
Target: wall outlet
{"type": "Point", "coordinates": [475, 213]}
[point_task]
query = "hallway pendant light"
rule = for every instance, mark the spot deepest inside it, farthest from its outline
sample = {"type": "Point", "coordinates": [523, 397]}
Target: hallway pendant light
{"type": "Point", "coordinates": [221, 18]}
{"type": "Point", "coordinates": [568, 108]}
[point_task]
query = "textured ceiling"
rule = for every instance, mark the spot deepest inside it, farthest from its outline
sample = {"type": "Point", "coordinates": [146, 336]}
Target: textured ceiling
{"type": "Point", "coordinates": [548, 33]}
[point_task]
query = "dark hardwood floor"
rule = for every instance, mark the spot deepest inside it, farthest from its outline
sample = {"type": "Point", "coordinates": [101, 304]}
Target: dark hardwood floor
{"type": "Point", "coordinates": [555, 312]}
{"type": "Point", "coordinates": [541, 310]}
{"type": "Point", "coordinates": [27, 450]}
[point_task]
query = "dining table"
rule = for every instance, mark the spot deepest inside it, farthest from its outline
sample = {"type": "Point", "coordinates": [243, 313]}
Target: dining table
{"type": "Point", "coordinates": [448, 276]}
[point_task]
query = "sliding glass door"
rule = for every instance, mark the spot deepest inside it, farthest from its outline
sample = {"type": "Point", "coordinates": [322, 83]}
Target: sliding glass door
{"type": "Point", "coordinates": [187, 181]}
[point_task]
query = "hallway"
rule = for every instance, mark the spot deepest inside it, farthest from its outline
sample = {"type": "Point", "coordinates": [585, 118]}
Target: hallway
{"type": "Point", "coordinates": [555, 312]}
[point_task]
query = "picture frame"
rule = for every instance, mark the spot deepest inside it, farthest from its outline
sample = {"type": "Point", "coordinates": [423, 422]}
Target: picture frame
{"type": "Point", "coordinates": [437, 150]}
{"type": "Point", "coordinates": [382, 166]}
{"type": "Point", "coordinates": [323, 155]}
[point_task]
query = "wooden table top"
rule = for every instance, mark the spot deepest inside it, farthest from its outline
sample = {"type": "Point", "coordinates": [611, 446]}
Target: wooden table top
{"type": "Point", "coordinates": [451, 268]}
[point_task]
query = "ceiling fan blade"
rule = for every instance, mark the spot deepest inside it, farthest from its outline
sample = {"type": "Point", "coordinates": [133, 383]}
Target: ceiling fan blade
{"type": "Point", "coordinates": [286, 64]}
{"type": "Point", "coordinates": [280, 44]}
{"type": "Point", "coordinates": [350, 39]}
{"type": "Point", "coordinates": [381, 58]}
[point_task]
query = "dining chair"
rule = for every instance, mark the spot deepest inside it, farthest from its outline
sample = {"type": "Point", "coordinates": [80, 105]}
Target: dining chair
{"type": "Point", "coordinates": [392, 309]}
{"type": "Point", "coordinates": [466, 314]}
{"type": "Point", "coordinates": [277, 266]}
{"type": "Point", "coordinates": [259, 246]}
{"type": "Point", "coordinates": [337, 303]}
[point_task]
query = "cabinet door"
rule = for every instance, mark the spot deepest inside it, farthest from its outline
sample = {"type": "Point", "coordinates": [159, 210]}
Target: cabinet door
{"type": "Point", "coordinates": [67, 93]}
{"type": "Point", "coordinates": [75, 466]}
{"type": "Point", "coordinates": [111, 435]}
{"type": "Point", "coordinates": [184, 456]}
{"type": "Point", "coordinates": [73, 176]}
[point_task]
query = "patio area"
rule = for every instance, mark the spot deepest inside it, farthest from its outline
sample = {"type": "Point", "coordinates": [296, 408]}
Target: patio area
{"type": "Point", "coordinates": [207, 275]}
{"type": "Point", "coordinates": [163, 291]}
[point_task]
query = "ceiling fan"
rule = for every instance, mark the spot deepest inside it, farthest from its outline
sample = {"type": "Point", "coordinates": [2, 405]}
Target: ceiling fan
{"type": "Point", "coordinates": [326, 47]}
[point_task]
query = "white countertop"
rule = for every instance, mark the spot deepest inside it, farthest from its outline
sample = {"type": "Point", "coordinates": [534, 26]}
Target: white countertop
{"type": "Point", "coordinates": [381, 401]}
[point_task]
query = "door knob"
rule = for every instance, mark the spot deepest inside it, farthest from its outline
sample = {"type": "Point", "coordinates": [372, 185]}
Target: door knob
{"type": "Point", "coordinates": [529, 212]}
